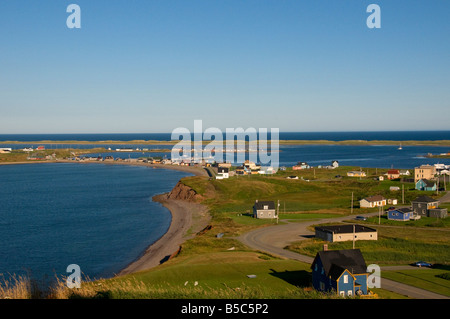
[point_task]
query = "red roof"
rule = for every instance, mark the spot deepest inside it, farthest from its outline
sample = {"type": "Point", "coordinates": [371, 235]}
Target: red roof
{"type": "Point", "coordinates": [393, 171]}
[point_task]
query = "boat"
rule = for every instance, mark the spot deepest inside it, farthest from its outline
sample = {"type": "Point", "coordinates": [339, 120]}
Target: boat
{"type": "Point", "coordinates": [400, 147]}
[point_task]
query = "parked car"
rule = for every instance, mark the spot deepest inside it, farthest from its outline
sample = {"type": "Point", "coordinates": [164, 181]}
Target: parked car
{"type": "Point", "coordinates": [422, 264]}
{"type": "Point", "coordinates": [360, 218]}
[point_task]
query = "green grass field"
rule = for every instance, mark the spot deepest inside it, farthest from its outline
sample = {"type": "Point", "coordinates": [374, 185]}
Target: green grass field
{"type": "Point", "coordinates": [435, 280]}
{"type": "Point", "coordinates": [20, 156]}
{"type": "Point", "coordinates": [395, 245]}
{"type": "Point", "coordinates": [223, 275]}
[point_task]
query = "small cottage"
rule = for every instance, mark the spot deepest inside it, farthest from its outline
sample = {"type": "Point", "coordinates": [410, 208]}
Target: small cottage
{"type": "Point", "coordinates": [356, 174]}
{"type": "Point", "coordinates": [300, 165]}
{"type": "Point", "coordinates": [264, 209]}
{"type": "Point", "coordinates": [342, 271]}
{"type": "Point", "coordinates": [426, 185]}
{"type": "Point", "coordinates": [372, 201]}
{"type": "Point", "coordinates": [393, 174]}
{"type": "Point", "coordinates": [401, 214]}
{"type": "Point", "coordinates": [222, 172]}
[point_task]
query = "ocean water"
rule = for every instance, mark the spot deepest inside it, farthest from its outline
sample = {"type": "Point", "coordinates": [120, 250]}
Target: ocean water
{"type": "Point", "coordinates": [100, 217]}
{"type": "Point", "coordinates": [331, 136]}
{"type": "Point", "coordinates": [351, 155]}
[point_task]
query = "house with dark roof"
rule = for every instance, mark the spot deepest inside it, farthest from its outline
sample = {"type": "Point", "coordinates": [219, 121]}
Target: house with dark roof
{"type": "Point", "coordinates": [222, 172]}
{"type": "Point", "coordinates": [426, 185]}
{"type": "Point", "coordinates": [401, 214]}
{"type": "Point", "coordinates": [342, 271]}
{"type": "Point", "coordinates": [427, 206]}
{"type": "Point", "coordinates": [345, 232]}
{"type": "Point", "coordinates": [264, 209]}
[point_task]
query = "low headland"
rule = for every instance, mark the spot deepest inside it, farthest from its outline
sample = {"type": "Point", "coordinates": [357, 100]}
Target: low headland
{"type": "Point", "coordinates": [281, 142]}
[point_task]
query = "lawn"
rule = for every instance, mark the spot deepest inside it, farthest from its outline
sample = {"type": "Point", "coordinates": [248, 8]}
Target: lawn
{"type": "Point", "coordinates": [322, 192]}
{"type": "Point", "coordinates": [224, 275]}
{"type": "Point", "coordinates": [395, 245]}
{"type": "Point", "coordinates": [435, 280]}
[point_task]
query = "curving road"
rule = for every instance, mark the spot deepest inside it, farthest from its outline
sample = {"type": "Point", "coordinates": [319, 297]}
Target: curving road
{"type": "Point", "coordinates": [273, 239]}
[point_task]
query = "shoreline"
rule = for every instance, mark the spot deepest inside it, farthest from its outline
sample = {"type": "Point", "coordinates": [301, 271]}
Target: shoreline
{"type": "Point", "coordinates": [188, 169]}
{"type": "Point", "coordinates": [170, 243]}
{"type": "Point", "coordinates": [182, 215]}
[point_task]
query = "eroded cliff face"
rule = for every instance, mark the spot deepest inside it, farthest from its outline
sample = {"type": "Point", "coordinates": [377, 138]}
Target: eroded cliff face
{"type": "Point", "coordinates": [183, 192]}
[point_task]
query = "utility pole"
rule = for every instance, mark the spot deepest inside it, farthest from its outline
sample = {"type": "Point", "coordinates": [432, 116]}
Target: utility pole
{"type": "Point", "coordinates": [437, 188]}
{"type": "Point", "coordinates": [379, 215]}
{"type": "Point", "coordinates": [353, 236]}
{"type": "Point", "coordinates": [351, 208]}
{"type": "Point", "coordinates": [278, 210]}
{"type": "Point", "coordinates": [403, 193]}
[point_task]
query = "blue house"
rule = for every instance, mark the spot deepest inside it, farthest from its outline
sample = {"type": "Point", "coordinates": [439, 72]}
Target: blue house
{"type": "Point", "coordinates": [402, 214]}
{"type": "Point", "coordinates": [343, 271]}
{"type": "Point", "coordinates": [426, 185]}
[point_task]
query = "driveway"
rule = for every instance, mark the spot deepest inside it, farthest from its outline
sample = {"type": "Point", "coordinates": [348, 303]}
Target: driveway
{"type": "Point", "coordinates": [273, 239]}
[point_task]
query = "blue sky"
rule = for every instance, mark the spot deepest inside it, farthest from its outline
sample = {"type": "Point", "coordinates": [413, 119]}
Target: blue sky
{"type": "Point", "coordinates": [152, 66]}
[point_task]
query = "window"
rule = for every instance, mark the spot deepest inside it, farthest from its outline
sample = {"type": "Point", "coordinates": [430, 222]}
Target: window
{"type": "Point", "coordinates": [342, 293]}
{"type": "Point", "coordinates": [266, 207]}
{"type": "Point", "coordinates": [345, 279]}
{"type": "Point", "coordinates": [349, 293]}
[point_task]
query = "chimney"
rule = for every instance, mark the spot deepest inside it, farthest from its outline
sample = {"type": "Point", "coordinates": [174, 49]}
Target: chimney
{"type": "Point", "coordinates": [325, 247]}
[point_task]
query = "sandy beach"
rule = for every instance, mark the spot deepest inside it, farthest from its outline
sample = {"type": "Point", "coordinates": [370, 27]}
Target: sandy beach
{"type": "Point", "coordinates": [186, 216]}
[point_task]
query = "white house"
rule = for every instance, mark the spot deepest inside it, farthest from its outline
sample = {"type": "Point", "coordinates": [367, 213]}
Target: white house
{"type": "Point", "coordinates": [372, 201]}
{"type": "Point", "coordinates": [222, 173]}
{"type": "Point", "coordinates": [404, 172]}
{"type": "Point", "coordinates": [266, 170]}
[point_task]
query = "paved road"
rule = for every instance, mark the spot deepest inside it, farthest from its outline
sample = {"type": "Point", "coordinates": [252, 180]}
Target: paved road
{"type": "Point", "coordinates": [274, 239]}
{"type": "Point", "coordinates": [445, 198]}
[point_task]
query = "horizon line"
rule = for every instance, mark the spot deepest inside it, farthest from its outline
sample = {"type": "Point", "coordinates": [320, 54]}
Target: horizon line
{"type": "Point", "coordinates": [109, 133]}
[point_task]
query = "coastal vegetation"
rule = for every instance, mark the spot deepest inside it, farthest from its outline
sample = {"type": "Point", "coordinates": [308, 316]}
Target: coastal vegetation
{"type": "Point", "coordinates": [47, 154]}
